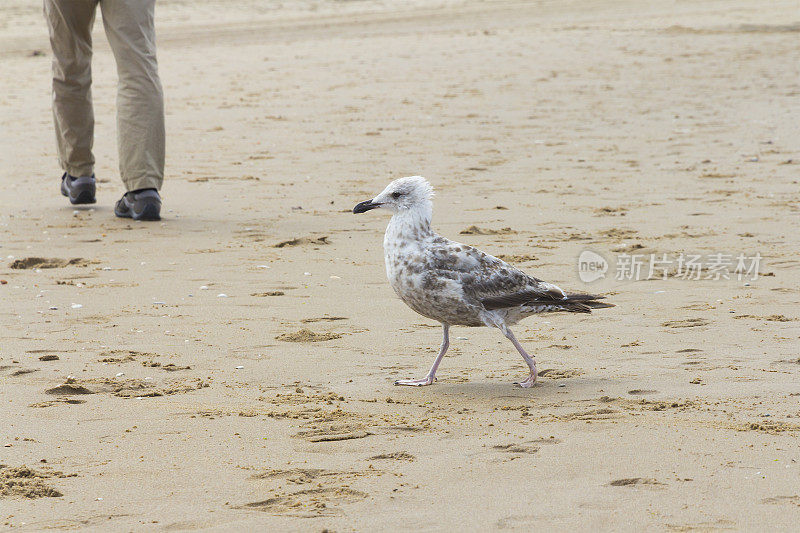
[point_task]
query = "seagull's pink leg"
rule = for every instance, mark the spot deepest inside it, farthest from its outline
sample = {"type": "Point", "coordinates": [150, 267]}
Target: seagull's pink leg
{"type": "Point", "coordinates": [431, 377]}
{"type": "Point", "coordinates": [528, 383]}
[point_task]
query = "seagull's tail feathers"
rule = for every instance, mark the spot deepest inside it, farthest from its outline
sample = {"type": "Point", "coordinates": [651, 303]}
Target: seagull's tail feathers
{"type": "Point", "coordinates": [584, 303]}
{"type": "Point", "coordinates": [546, 302]}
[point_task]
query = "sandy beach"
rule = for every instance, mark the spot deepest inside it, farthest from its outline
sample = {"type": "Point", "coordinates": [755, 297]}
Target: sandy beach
{"type": "Point", "coordinates": [231, 367]}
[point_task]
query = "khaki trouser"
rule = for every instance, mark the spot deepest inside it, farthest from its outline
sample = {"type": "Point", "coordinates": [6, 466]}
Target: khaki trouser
{"type": "Point", "coordinates": [130, 30]}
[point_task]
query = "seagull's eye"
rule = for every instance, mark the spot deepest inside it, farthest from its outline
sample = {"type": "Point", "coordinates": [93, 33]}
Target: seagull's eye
{"type": "Point", "coordinates": [396, 195]}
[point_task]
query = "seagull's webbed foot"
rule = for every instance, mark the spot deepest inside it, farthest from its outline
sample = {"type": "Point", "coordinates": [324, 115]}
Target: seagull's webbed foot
{"type": "Point", "coordinates": [528, 383]}
{"type": "Point", "coordinates": [427, 380]}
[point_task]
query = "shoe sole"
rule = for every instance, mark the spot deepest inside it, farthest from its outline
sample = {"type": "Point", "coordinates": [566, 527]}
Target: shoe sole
{"type": "Point", "coordinates": [84, 197]}
{"type": "Point", "coordinates": [149, 213]}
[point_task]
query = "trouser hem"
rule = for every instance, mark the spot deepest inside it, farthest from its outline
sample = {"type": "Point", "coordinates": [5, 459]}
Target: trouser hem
{"type": "Point", "coordinates": [79, 172]}
{"type": "Point", "coordinates": [145, 182]}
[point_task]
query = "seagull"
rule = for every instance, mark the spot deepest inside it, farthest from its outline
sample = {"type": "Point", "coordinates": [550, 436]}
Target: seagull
{"type": "Point", "coordinates": [456, 284]}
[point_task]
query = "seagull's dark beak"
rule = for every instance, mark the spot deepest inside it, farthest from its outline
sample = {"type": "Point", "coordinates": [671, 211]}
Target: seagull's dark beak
{"type": "Point", "coordinates": [363, 207]}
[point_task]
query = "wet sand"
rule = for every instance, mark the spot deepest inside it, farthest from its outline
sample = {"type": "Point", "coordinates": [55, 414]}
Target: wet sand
{"type": "Point", "coordinates": [231, 367]}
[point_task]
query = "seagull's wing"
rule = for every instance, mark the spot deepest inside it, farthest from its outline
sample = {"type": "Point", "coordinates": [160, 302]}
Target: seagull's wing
{"type": "Point", "coordinates": [487, 279]}
{"type": "Point", "coordinates": [497, 285]}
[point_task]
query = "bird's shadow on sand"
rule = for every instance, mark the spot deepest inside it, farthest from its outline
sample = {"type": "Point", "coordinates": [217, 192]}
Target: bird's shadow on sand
{"type": "Point", "coordinates": [543, 389]}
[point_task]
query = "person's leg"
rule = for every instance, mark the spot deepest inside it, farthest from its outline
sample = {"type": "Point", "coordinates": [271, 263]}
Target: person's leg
{"type": "Point", "coordinates": [70, 26]}
{"type": "Point", "coordinates": [130, 28]}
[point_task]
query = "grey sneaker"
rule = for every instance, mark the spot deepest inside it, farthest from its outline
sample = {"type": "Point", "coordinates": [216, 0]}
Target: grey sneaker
{"type": "Point", "coordinates": [78, 190]}
{"type": "Point", "coordinates": [144, 204]}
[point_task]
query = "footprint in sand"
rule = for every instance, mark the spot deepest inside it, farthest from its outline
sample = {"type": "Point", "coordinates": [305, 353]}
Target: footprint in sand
{"type": "Point", "coordinates": [618, 233]}
{"type": "Point", "coordinates": [169, 367]}
{"type": "Point", "coordinates": [699, 307]}
{"type": "Point", "coordinates": [24, 482]}
{"type": "Point", "coordinates": [592, 414]}
{"type": "Point", "coordinates": [517, 258]}
{"type": "Point", "coordinates": [554, 373]}
{"type": "Point", "coordinates": [44, 262]}
{"type": "Point", "coordinates": [333, 432]}
{"type": "Point", "coordinates": [300, 241]}
{"type": "Point", "coordinates": [121, 356]}
{"type": "Point", "coordinates": [323, 319]}
{"type": "Point", "coordinates": [770, 318]}
{"type": "Point", "coordinates": [633, 481]}
{"type": "Point", "coordinates": [69, 389]}
{"type": "Point", "coordinates": [771, 428]}
{"type": "Point", "coordinates": [57, 401]}
{"type": "Point", "coordinates": [306, 335]}
{"type": "Point", "coordinates": [610, 211]}
{"type": "Point", "coordinates": [308, 503]}
{"type": "Point", "coordinates": [393, 456]}
{"type": "Point", "coordinates": [688, 323]}
{"type": "Point", "coordinates": [475, 230]}
{"type": "Point", "coordinates": [302, 476]}
{"type": "Point", "coordinates": [293, 475]}
{"type": "Point", "coordinates": [23, 371]}
{"type": "Point", "coordinates": [127, 388]}
{"type": "Point", "coordinates": [516, 448]}
{"type": "Point", "coordinates": [792, 500]}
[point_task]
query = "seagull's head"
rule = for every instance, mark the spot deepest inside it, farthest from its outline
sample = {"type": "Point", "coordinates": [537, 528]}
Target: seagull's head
{"type": "Point", "coordinates": [403, 194]}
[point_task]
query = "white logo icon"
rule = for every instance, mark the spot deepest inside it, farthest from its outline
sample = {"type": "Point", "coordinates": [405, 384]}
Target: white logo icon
{"type": "Point", "coordinates": [591, 266]}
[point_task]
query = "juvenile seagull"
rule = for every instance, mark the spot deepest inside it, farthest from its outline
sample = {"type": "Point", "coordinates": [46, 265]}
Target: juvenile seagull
{"type": "Point", "coordinates": [456, 284]}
